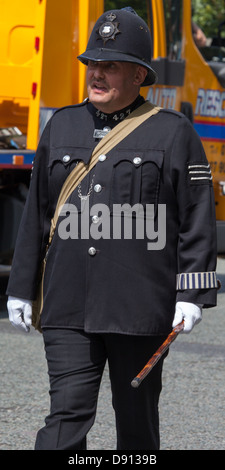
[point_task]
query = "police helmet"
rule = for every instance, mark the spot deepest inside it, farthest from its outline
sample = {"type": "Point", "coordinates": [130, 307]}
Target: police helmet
{"type": "Point", "coordinates": [121, 36]}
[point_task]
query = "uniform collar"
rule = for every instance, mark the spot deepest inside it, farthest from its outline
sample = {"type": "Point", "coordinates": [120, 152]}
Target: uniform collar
{"type": "Point", "coordinates": [114, 118]}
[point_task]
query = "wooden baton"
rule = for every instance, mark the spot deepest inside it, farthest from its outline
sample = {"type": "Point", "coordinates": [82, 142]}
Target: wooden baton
{"type": "Point", "coordinates": [158, 354]}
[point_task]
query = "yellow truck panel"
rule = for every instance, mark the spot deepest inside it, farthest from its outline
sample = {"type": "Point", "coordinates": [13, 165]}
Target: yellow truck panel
{"type": "Point", "coordinates": [40, 40]}
{"type": "Point", "coordinates": [192, 80]}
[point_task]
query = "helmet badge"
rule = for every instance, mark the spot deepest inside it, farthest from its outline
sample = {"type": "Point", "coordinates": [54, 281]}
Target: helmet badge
{"type": "Point", "coordinates": [109, 30]}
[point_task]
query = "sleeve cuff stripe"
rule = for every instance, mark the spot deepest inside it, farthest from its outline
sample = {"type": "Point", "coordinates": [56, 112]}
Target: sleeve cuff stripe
{"type": "Point", "coordinates": [205, 280]}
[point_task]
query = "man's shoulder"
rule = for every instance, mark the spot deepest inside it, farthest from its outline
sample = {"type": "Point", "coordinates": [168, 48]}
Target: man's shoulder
{"type": "Point", "coordinates": [70, 117]}
{"type": "Point", "coordinates": [74, 108]}
{"type": "Point", "coordinates": [172, 113]}
{"type": "Point", "coordinates": [175, 118]}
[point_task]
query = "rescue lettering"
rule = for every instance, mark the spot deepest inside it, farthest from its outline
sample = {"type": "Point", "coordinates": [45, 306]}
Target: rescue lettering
{"type": "Point", "coordinates": [210, 103]}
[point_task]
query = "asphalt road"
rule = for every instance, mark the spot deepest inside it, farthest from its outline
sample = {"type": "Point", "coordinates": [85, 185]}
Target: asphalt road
{"type": "Point", "coordinates": [192, 404]}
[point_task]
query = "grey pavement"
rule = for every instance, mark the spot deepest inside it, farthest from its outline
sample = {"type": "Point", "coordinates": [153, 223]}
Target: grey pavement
{"type": "Point", "coordinates": [192, 404]}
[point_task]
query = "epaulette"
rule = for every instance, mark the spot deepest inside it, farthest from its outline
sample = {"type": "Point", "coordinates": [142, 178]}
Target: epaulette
{"type": "Point", "coordinates": [173, 111]}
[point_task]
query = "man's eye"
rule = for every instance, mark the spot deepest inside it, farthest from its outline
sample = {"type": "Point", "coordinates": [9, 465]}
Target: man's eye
{"type": "Point", "coordinates": [111, 65]}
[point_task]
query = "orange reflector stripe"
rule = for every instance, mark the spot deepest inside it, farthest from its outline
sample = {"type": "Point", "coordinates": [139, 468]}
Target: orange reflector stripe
{"type": "Point", "coordinates": [18, 159]}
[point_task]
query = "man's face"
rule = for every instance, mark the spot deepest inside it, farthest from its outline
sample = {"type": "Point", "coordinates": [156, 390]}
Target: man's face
{"type": "Point", "coordinates": [113, 85]}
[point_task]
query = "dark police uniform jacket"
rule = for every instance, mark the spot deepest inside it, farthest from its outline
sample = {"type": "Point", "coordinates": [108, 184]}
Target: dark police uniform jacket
{"type": "Point", "coordinates": [103, 284]}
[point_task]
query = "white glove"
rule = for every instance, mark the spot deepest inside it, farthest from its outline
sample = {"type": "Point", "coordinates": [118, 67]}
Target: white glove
{"type": "Point", "coordinates": [20, 313]}
{"type": "Point", "coordinates": [190, 313]}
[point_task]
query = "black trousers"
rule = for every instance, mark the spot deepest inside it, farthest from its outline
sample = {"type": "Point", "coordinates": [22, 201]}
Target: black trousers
{"type": "Point", "coordinates": [76, 361]}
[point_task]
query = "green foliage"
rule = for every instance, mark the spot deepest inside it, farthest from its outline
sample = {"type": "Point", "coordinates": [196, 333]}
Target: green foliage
{"type": "Point", "coordinates": [209, 14]}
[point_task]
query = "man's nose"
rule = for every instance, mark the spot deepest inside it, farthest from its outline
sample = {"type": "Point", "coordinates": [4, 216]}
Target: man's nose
{"type": "Point", "coordinates": [99, 70]}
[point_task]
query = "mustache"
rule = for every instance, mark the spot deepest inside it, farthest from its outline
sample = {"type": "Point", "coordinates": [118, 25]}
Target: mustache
{"type": "Point", "coordinates": [99, 83]}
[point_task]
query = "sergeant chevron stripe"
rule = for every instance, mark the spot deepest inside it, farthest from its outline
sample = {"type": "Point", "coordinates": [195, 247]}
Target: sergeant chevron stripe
{"type": "Point", "coordinates": [199, 172]}
{"type": "Point", "coordinates": [202, 280]}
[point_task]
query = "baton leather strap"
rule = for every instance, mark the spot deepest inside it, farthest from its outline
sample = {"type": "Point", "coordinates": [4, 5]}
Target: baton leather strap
{"type": "Point", "coordinates": [113, 138]}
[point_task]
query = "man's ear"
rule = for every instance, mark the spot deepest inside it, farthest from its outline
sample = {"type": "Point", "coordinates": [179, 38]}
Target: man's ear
{"type": "Point", "coordinates": [140, 75]}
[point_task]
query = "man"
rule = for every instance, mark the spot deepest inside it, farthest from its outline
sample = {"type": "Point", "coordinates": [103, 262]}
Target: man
{"type": "Point", "coordinates": [114, 298]}
{"type": "Point", "coordinates": [198, 35]}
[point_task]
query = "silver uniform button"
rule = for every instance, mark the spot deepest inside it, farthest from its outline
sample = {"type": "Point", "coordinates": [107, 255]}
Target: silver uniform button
{"type": "Point", "coordinates": [66, 158]}
{"type": "Point", "coordinates": [137, 160]}
{"type": "Point", "coordinates": [97, 188]}
{"type": "Point", "coordinates": [102, 158]}
{"type": "Point", "coordinates": [95, 219]}
{"type": "Point", "coordinates": [92, 251]}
